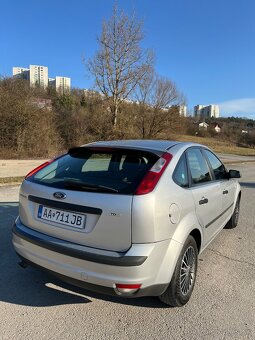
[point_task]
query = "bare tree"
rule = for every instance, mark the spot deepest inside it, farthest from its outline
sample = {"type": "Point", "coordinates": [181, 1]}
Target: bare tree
{"type": "Point", "coordinates": [158, 101]}
{"type": "Point", "coordinates": [120, 63]}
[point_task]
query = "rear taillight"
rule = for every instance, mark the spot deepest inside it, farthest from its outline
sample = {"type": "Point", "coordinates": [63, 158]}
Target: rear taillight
{"type": "Point", "coordinates": [152, 177]}
{"type": "Point", "coordinates": [127, 288]}
{"type": "Point", "coordinates": [40, 167]}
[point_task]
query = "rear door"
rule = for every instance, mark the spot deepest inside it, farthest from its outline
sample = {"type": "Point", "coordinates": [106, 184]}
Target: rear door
{"type": "Point", "coordinates": [227, 185]}
{"type": "Point", "coordinates": [86, 197]}
{"type": "Point", "coordinates": [206, 193]}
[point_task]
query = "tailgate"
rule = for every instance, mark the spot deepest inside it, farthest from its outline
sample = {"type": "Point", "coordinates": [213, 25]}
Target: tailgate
{"type": "Point", "coordinates": [105, 217]}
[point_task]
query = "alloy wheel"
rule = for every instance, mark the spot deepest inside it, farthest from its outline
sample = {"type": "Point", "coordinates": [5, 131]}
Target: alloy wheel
{"type": "Point", "coordinates": [187, 272]}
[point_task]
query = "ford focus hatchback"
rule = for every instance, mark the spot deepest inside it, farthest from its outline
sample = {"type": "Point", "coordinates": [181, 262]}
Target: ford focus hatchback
{"type": "Point", "coordinates": [127, 218]}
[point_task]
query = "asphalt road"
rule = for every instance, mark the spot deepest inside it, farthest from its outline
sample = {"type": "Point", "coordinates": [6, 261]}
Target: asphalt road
{"type": "Point", "coordinates": [34, 305]}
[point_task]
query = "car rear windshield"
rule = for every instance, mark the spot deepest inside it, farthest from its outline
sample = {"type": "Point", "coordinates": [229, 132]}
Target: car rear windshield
{"type": "Point", "coordinates": [108, 171]}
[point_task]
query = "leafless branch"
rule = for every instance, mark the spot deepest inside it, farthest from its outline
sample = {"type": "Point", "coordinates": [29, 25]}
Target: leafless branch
{"type": "Point", "coordinates": [120, 63]}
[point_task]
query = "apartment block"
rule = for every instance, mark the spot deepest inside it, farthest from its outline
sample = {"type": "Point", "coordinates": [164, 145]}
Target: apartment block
{"type": "Point", "coordinates": [182, 110]}
{"type": "Point", "coordinates": [206, 111]}
{"type": "Point", "coordinates": [38, 76]}
{"type": "Point", "coordinates": [63, 85]}
{"type": "Point", "coordinates": [20, 72]}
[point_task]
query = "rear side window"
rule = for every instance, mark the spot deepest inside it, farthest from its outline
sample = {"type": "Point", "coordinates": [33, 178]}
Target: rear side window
{"type": "Point", "coordinates": [113, 171]}
{"type": "Point", "coordinates": [218, 168]}
{"type": "Point", "coordinates": [180, 175]}
{"type": "Point", "coordinates": [199, 169]}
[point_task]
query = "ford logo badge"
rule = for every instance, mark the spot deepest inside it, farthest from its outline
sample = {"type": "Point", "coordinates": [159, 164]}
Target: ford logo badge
{"type": "Point", "coordinates": [59, 195]}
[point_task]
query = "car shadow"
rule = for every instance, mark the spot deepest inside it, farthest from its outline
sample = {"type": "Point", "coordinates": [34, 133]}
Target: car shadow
{"type": "Point", "coordinates": [146, 302]}
{"type": "Point", "coordinates": [248, 184]}
{"type": "Point", "coordinates": [33, 287]}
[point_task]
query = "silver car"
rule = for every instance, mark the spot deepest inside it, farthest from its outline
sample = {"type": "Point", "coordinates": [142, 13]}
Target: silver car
{"type": "Point", "coordinates": [127, 218]}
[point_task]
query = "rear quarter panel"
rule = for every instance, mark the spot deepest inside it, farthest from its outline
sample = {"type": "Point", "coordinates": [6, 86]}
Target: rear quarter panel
{"type": "Point", "coordinates": [167, 212]}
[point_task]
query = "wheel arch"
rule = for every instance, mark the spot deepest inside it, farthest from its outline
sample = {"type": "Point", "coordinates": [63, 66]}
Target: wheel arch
{"type": "Point", "coordinates": [196, 234]}
{"type": "Point", "coordinates": [239, 195]}
{"type": "Point", "coordinates": [189, 225]}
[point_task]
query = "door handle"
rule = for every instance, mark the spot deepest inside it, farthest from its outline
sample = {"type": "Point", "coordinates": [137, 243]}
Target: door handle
{"type": "Point", "coordinates": [203, 201]}
{"type": "Point", "coordinates": [225, 192]}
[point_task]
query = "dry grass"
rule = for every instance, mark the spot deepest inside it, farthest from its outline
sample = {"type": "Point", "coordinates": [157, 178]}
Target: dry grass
{"type": "Point", "coordinates": [220, 146]}
{"type": "Point", "coordinates": [11, 180]}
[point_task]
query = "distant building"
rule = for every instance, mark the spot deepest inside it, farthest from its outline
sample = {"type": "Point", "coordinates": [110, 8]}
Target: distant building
{"type": "Point", "coordinates": [63, 85]}
{"type": "Point", "coordinates": [182, 110]}
{"type": "Point", "coordinates": [20, 72]}
{"type": "Point", "coordinates": [208, 111]}
{"type": "Point", "coordinates": [38, 76]}
{"type": "Point", "coordinates": [89, 92]}
{"type": "Point", "coordinates": [216, 127]}
{"type": "Point", "coordinates": [203, 126]}
{"type": "Point", "coordinates": [197, 110]}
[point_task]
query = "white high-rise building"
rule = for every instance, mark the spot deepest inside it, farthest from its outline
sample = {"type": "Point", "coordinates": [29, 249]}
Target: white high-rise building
{"type": "Point", "coordinates": [38, 75]}
{"type": "Point", "coordinates": [63, 85]}
{"type": "Point", "coordinates": [207, 111]}
{"type": "Point", "coordinates": [182, 110]}
{"type": "Point", "coordinates": [197, 110]}
{"type": "Point", "coordinates": [20, 72]}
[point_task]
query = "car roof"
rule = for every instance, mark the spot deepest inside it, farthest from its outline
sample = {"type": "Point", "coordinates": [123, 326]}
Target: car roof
{"type": "Point", "coordinates": [145, 144]}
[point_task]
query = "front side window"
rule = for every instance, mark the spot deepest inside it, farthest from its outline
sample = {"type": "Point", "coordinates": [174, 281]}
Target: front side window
{"type": "Point", "coordinates": [218, 168]}
{"type": "Point", "coordinates": [199, 169]}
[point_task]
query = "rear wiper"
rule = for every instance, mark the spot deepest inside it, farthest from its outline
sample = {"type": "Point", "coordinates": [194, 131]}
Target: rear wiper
{"type": "Point", "coordinates": [68, 182]}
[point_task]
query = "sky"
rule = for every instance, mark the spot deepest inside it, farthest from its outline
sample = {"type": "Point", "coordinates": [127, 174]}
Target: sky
{"type": "Point", "coordinates": [206, 47]}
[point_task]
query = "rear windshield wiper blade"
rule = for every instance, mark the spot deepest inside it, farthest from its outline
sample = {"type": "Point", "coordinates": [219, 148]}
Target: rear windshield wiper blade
{"type": "Point", "coordinates": [85, 186]}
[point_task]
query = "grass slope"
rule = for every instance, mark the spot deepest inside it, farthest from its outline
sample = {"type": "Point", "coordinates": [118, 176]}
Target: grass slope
{"type": "Point", "coordinates": [220, 146]}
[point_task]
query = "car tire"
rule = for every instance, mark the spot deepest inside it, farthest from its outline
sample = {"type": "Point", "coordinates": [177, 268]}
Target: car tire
{"type": "Point", "coordinates": [232, 223]}
{"type": "Point", "coordinates": [183, 280]}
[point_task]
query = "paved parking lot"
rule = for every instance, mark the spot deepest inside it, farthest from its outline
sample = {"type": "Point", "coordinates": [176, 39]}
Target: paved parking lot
{"type": "Point", "coordinates": [15, 168]}
{"type": "Point", "coordinates": [34, 305]}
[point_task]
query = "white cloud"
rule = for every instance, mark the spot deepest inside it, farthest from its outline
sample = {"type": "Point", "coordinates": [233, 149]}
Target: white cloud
{"type": "Point", "coordinates": [244, 107]}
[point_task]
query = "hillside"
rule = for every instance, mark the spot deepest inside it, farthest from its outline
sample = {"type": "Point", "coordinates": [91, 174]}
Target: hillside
{"type": "Point", "coordinates": [221, 146]}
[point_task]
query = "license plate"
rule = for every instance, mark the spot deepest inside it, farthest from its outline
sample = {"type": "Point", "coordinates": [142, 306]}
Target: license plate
{"type": "Point", "coordinates": [66, 218]}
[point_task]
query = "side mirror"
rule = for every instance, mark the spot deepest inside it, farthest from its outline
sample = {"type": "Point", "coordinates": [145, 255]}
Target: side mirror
{"type": "Point", "coordinates": [234, 174]}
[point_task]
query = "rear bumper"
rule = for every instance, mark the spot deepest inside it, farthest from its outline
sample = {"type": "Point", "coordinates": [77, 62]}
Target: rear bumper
{"type": "Point", "coordinates": [74, 250]}
{"type": "Point", "coordinates": [154, 290]}
{"type": "Point", "coordinates": [150, 265]}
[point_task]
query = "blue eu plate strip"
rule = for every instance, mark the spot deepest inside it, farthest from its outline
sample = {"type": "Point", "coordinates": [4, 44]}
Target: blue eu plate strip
{"type": "Point", "coordinates": [40, 211]}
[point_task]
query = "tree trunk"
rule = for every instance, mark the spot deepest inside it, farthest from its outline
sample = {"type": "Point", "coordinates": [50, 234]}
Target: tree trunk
{"type": "Point", "coordinates": [114, 115]}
